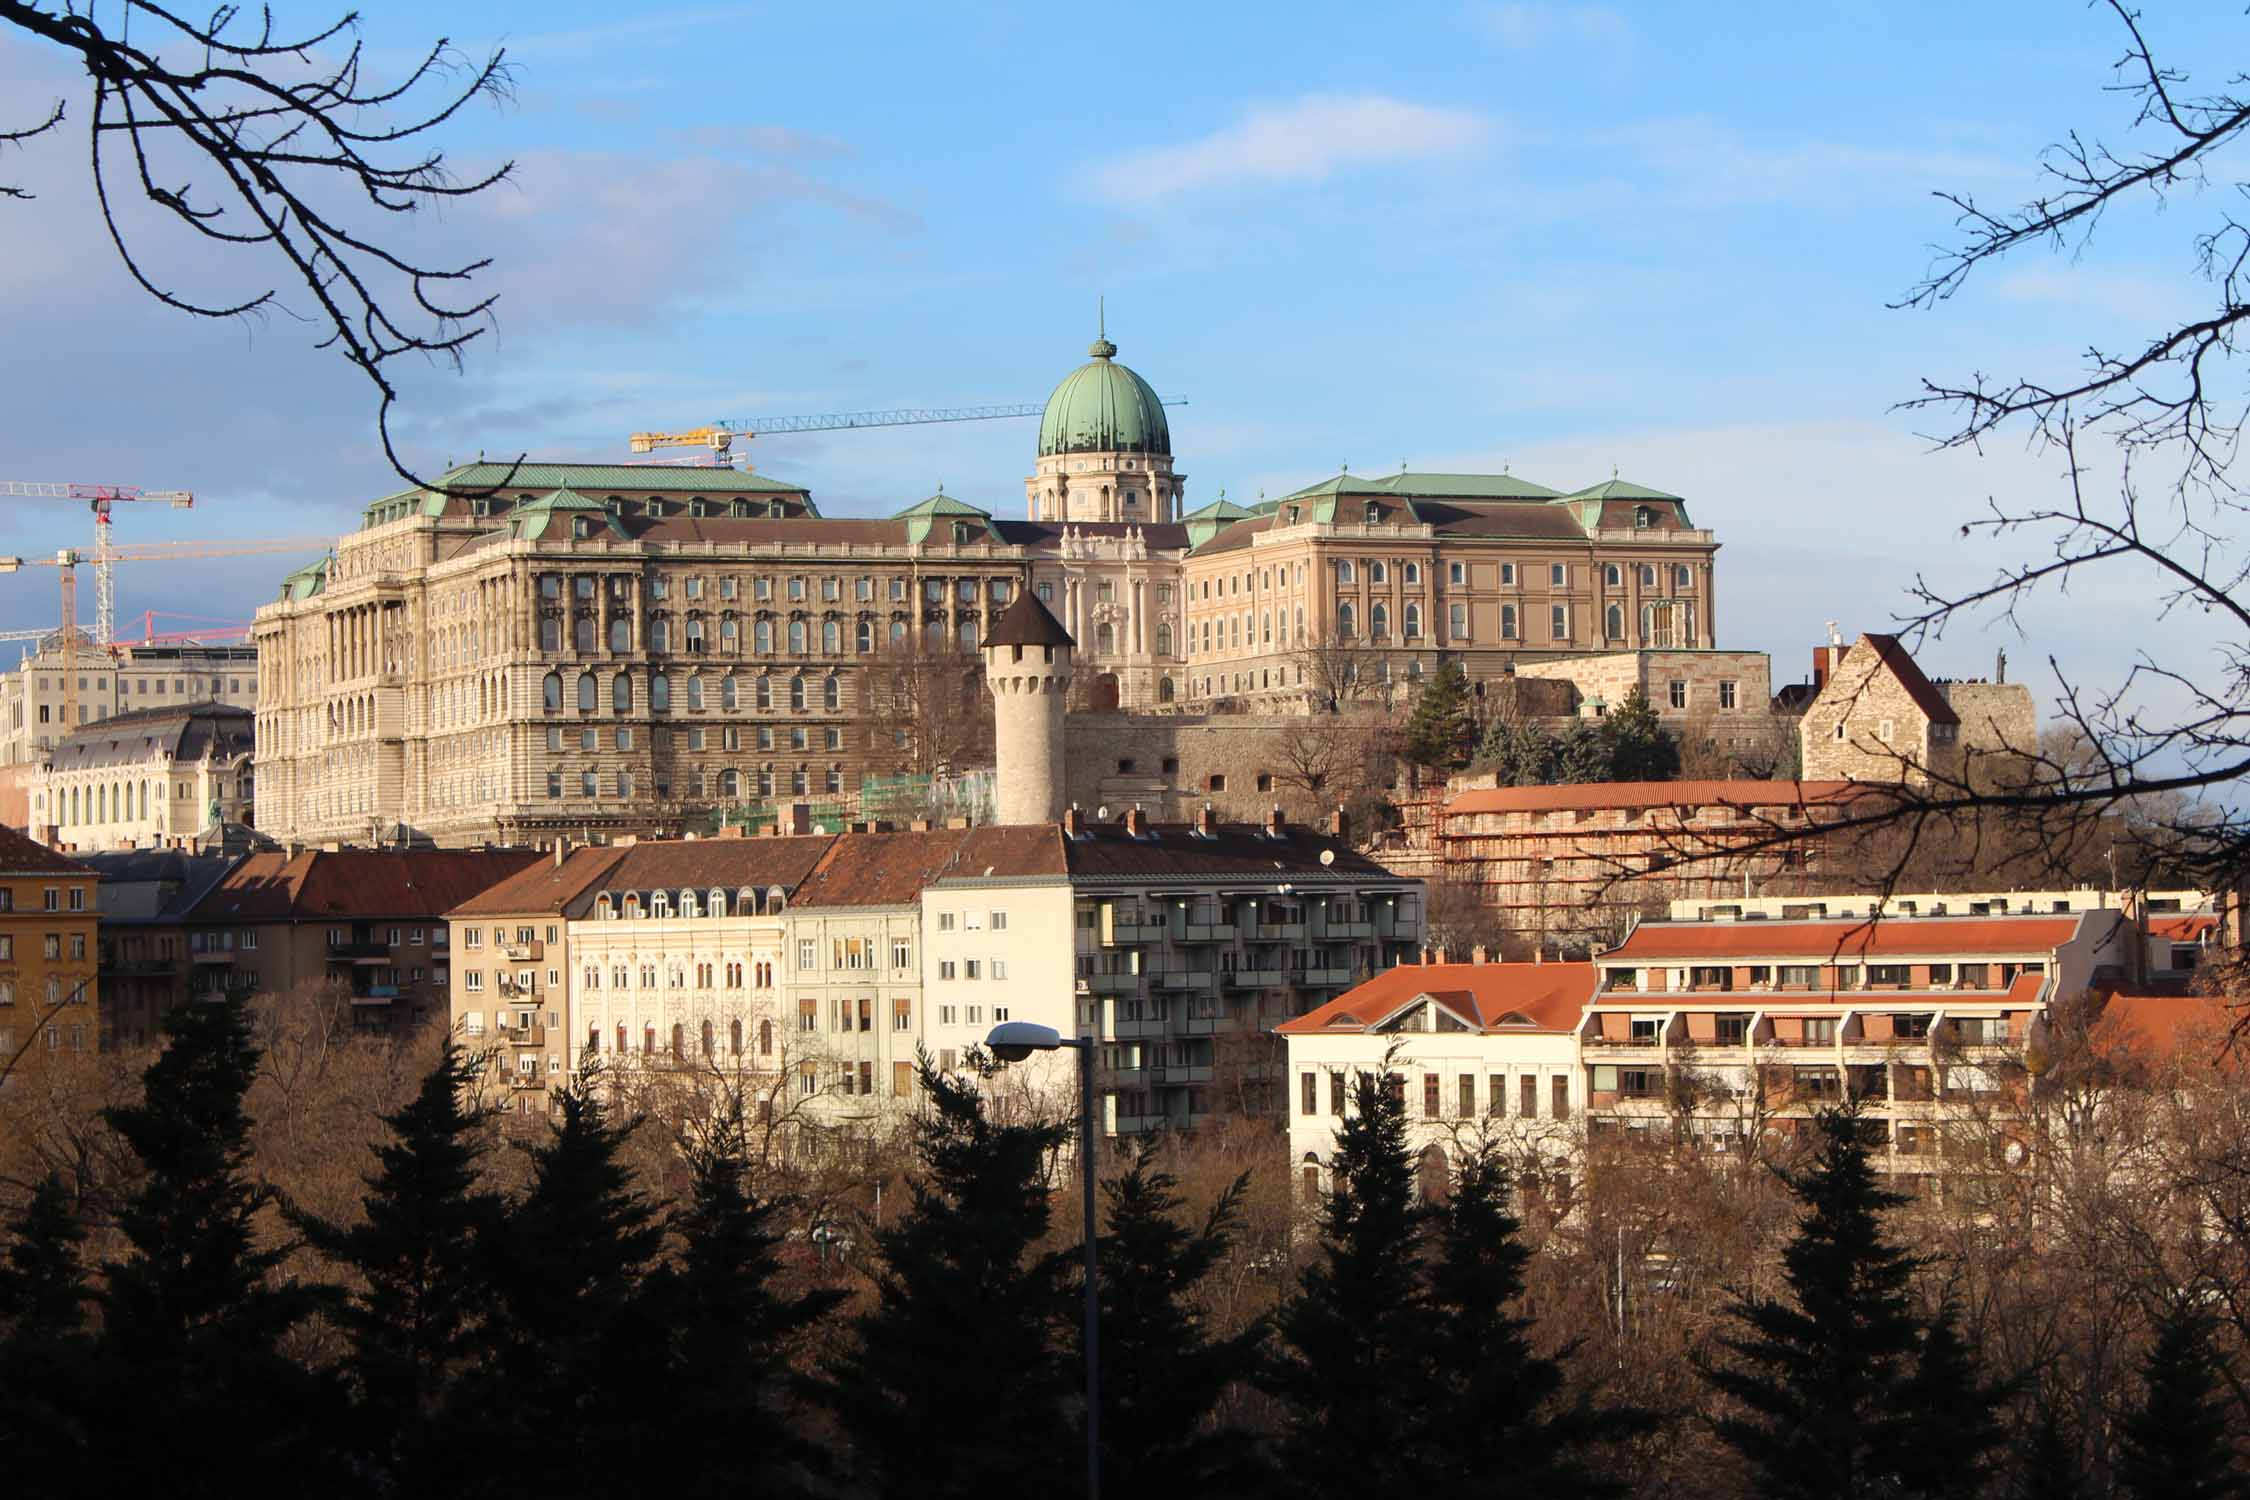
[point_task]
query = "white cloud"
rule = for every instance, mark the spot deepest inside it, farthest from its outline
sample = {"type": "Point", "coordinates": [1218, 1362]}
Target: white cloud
{"type": "Point", "coordinates": [1306, 140]}
{"type": "Point", "coordinates": [1523, 27]}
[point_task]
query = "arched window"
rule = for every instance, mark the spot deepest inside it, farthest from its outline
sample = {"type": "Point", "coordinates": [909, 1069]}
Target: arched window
{"type": "Point", "coordinates": [715, 902]}
{"type": "Point", "coordinates": [688, 905]}
{"type": "Point", "coordinates": [761, 637]}
{"type": "Point", "coordinates": [1379, 620]}
{"type": "Point", "coordinates": [659, 693]}
{"type": "Point", "coordinates": [709, 1048]}
{"type": "Point", "coordinates": [632, 905]}
{"type": "Point", "coordinates": [582, 633]}
{"type": "Point", "coordinates": [797, 691]}
{"type": "Point", "coordinates": [730, 636]}
{"type": "Point", "coordinates": [603, 911]}
{"type": "Point", "coordinates": [832, 693]}
{"type": "Point", "coordinates": [898, 635]}
{"type": "Point", "coordinates": [660, 905]}
{"type": "Point", "coordinates": [765, 692]}
{"type": "Point", "coordinates": [746, 902]}
{"type": "Point", "coordinates": [727, 694]}
{"type": "Point", "coordinates": [648, 1039]}
{"type": "Point", "coordinates": [621, 1038]}
{"type": "Point", "coordinates": [1105, 639]}
{"type": "Point", "coordinates": [1613, 575]}
{"type": "Point", "coordinates": [1346, 624]}
{"type": "Point", "coordinates": [730, 783]}
{"type": "Point", "coordinates": [593, 1041]}
{"type": "Point", "coordinates": [679, 1043]}
{"type": "Point", "coordinates": [863, 637]}
{"type": "Point", "coordinates": [1344, 570]}
{"type": "Point", "coordinates": [765, 1038]}
{"type": "Point", "coordinates": [694, 634]}
{"type": "Point", "coordinates": [1164, 690]}
{"type": "Point", "coordinates": [1300, 624]}
{"type": "Point", "coordinates": [777, 901]}
{"type": "Point", "coordinates": [1613, 622]}
{"type": "Point", "coordinates": [1413, 622]}
{"type": "Point", "coordinates": [551, 692]}
{"type": "Point", "coordinates": [588, 692]}
{"type": "Point", "coordinates": [660, 633]}
{"type": "Point", "coordinates": [1413, 572]}
{"type": "Point", "coordinates": [1377, 573]}
{"type": "Point", "coordinates": [797, 637]}
{"type": "Point", "coordinates": [550, 633]}
{"type": "Point", "coordinates": [831, 637]}
{"type": "Point", "coordinates": [621, 693]}
{"type": "Point", "coordinates": [1648, 575]}
{"type": "Point", "coordinates": [734, 1037]}
{"type": "Point", "coordinates": [1164, 638]}
{"type": "Point", "coordinates": [620, 633]}
{"type": "Point", "coordinates": [695, 692]}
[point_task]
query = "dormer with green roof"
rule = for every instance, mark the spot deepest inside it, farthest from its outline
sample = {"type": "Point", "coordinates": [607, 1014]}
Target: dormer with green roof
{"type": "Point", "coordinates": [1105, 448]}
{"type": "Point", "coordinates": [564, 514]}
{"type": "Point", "coordinates": [1210, 520]}
{"type": "Point", "coordinates": [1610, 498]}
{"type": "Point", "coordinates": [948, 519]}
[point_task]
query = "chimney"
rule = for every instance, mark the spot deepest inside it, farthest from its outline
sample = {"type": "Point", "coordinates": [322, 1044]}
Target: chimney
{"type": "Point", "coordinates": [1442, 955]}
{"type": "Point", "coordinates": [919, 825]}
{"type": "Point", "coordinates": [1074, 822]}
{"type": "Point", "coordinates": [1340, 824]}
{"type": "Point", "coordinates": [733, 830]}
{"type": "Point", "coordinates": [1480, 954]}
{"type": "Point", "coordinates": [1539, 952]}
{"type": "Point", "coordinates": [1276, 825]}
{"type": "Point", "coordinates": [800, 818]}
{"type": "Point", "coordinates": [1136, 822]}
{"type": "Point", "coordinates": [1424, 957]}
{"type": "Point", "coordinates": [562, 851]}
{"type": "Point", "coordinates": [1206, 822]}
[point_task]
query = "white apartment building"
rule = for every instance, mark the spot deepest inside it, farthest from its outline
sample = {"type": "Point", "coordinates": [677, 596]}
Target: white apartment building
{"type": "Point", "coordinates": [122, 679]}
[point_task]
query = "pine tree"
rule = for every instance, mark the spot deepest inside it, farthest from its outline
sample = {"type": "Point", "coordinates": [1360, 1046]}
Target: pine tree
{"type": "Point", "coordinates": [194, 1315]}
{"type": "Point", "coordinates": [1497, 1406]}
{"type": "Point", "coordinates": [575, 1373]}
{"type": "Point", "coordinates": [1355, 1339]}
{"type": "Point", "coordinates": [1163, 1375]}
{"type": "Point", "coordinates": [1639, 749]}
{"type": "Point", "coordinates": [1518, 754]}
{"type": "Point", "coordinates": [422, 1256]}
{"type": "Point", "coordinates": [2178, 1444]}
{"type": "Point", "coordinates": [728, 1425]}
{"type": "Point", "coordinates": [1583, 755]}
{"type": "Point", "coordinates": [1437, 733]}
{"type": "Point", "coordinates": [958, 1357]}
{"type": "Point", "coordinates": [1950, 1457]}
{"type": "Point", "coordinates": [2048, 1463]}
{"type": "Point", "coordinates": [1817, 1380]}
{"type": "Point", "coordinates": [47, 1412]}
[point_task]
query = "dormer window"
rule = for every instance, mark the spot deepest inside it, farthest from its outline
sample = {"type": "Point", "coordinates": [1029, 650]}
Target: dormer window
{"type": "Point", "coordinates": [1374, 513]}
{"type": "Point", "coordinates": [960, 533]}
{"type": "Point", "coordinates": [1294, 511]}
{"type": "Point", "coordinates": [1643, 517]}
{"type": "Point", "coordinates": [776, 509]}
{"type": "Point", "coordinates": [581, 528]}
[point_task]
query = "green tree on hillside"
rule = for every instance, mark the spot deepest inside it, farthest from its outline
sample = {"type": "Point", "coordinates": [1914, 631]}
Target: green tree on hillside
{"type": "Point", "coordinates": [2178, 1444]}
{"type": "Point", "coordinates": [1437, 733]}
{"type": "Point", "coordinates": [1639, 749]}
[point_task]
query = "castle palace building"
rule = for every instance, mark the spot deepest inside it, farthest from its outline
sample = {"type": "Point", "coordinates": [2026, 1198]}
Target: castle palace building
{"type": "Point", "coordinates": [528, 652]}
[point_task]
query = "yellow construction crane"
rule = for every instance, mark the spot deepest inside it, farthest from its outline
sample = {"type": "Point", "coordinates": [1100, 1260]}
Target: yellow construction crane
{"type": "Point", "coordinates": [66, 562]}
{"type": "Point", "coordinates": [720, 437]}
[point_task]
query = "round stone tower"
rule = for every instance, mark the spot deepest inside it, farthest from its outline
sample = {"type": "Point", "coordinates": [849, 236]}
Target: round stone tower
{"type": "Point", "coordinates": [1027, 671]}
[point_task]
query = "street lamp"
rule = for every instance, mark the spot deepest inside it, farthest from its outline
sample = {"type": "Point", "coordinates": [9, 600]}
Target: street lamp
{"type": "Point", "coordinates": [1013, 1041]}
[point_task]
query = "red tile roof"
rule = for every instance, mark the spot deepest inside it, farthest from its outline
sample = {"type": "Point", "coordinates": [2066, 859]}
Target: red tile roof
{"type": "Point", "coordinates": [21, 855]}
{"type": "Point", "coordinates": [698, 864]}
{"type": "Point", "coordinates": [2162, 1025]}
{"type": "Point", "coordinates": [1845, 937]}
{"type": "Point", "coordinates": [2182, 927]}
{"type": "Point", "coordinates": [357, 883]}
{"type": "Point", "coordinates": [1497, 997]}
{"type": "Point", "coordinates": [545, 888]}
{"type": "Point", "coordinates": [1600, 795]}
{"type": "Point", "coordinates": [880, 869]}
{"type": "Point", "coordinates": [1900, 663]}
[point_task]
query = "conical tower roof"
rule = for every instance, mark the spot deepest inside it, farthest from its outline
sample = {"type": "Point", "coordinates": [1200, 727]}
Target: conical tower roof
{"type": "Point", "coordinates": [1027, 623]}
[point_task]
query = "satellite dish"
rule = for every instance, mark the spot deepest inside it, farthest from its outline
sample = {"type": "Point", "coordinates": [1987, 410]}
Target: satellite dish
{"type": "Point", "coordinates": [820, 828]}
{"type": "Point", "coordinates": [1101, 813]}
{"type": "Point", "coordinates": [2014, 1153]}
{"type": "Point", "coordinates": [1328, 856]}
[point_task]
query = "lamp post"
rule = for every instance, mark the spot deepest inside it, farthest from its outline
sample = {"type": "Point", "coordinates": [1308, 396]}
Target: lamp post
{"type": "Point", "coordinates": [1013, 1041]}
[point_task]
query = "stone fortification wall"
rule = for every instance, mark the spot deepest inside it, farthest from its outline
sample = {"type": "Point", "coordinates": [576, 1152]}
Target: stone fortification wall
{"type": "Point", "coordinates": [1170, 765]}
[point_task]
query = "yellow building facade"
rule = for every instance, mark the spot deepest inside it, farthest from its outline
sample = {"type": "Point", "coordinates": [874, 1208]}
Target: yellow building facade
{"type": "Point", "coordinates": [49, 1004]}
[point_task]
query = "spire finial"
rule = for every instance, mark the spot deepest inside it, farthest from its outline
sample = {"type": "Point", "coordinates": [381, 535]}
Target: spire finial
{"type": "Point", "coordinates": [1103, 348]}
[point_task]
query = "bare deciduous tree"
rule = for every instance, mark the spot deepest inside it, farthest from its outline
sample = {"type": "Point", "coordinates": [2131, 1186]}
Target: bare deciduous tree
{"type": "Point", "coordinates": [276, 144]}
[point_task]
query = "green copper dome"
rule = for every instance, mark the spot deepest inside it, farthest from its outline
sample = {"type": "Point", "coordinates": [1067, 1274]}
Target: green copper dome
{"type": "Point", "coordinates": [1102, 407]}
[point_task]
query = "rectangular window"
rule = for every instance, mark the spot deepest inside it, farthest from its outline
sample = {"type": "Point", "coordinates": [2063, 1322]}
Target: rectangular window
{"type": "Point", "coordinates": [1561, 1097]}
{"type": "Point", "coordinates": [1676, 695]}
{"type": "Point", "coordinates": [1558, 575]}
{"type": "Point", "coordinates": [1308, 1094]}
{"type": "Point", "coordinates": [1468, 1099]}
{"type": "Point", "coordinates": [1457, 573]}
{"type": "Point", "coordinates": [1507, 574]}
{"type": "Point", "coordinates": [945, 968]}
{"type": "Point", "coordinates": [999, 921]}
{"type": "Point", "coordinates": [1558, 622]}
{"type": "Point", "coordinates": [1496, 1092]}
{"type": "Point", "coordinates": [1430, 1106]}
{"type": "Point", "coordinates": [1457, 622]}
{"type": "Point", "coordinates": [807, 954]}
{"type": "Point", "coordinates": [1527, 1106]}
{"type": "Point", "coordinates": [1726, 695]}
{"type": "Point", "coordinates": [1336, 1093]}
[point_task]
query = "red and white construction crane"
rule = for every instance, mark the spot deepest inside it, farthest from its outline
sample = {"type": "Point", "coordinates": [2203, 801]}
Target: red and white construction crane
{"type": "Point", "coordinates": [98, 498]}
{"type": "Point", "coordinates": [66, 562]}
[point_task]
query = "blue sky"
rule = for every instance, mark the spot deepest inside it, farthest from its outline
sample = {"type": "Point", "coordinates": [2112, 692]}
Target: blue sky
{"type": "Point", "coordinates": [1562, 237]}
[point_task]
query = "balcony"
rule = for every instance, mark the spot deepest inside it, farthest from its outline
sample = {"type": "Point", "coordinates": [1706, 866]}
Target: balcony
{"type": "Point", "coordinates": [1256, 979]}
{"type": "Point", "coordinates": [1175, 1075]}
{"type": "Point", "coordinates": [1324, 977]}
{"type": "Point", "coordinates": [1111, 984]}
{"type": "Point", "coordinates": [358, 951]}
{"type": "Point", "coordinates": [1213, 932]}
{"type": "Point", "coordinates": [523, 1080]}
{"type": "Point", "coordinates": [1138, 932]}
{"type": "Point", "coordinates": [1280, 932]}
{"type": "Point", "coordinates": [525, 1036]}
{"type": "Point", "coordinates": [1181, 979]}
{"type": "Point", "coordinates": [1345, 931]}
{"type": "Point", "coordinates": [523, 953]}
{"type": "Point", "coordinates": [213, 956]}
{"type": "Point", "coordinates": [140, 968]}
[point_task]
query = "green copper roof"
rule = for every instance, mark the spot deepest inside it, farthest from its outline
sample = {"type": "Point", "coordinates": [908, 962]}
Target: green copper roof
{"type": "Point", "coordinates": [1103, 407]}
{"type": "Point", "coordinates": [925, 516]}
{"type": "Point", "coordinates": [1431, 487]}
{"type": "Point", "coordinates": [628, 478]}
{"type": "Point", "coordinates": [1219, 510]}
{"type": "Point", "coordinates": [307, 581]}
{"type": "Point", "coordinates": [535, 519]}
{"type": "Point", "coordinates": [941, 504]}
{"type": "Point", "coordinates": [1618, 489]}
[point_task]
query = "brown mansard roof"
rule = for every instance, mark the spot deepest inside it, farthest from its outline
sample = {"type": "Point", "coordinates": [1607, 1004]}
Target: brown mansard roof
{"type": "Point", "coordinates": [317, 883]}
